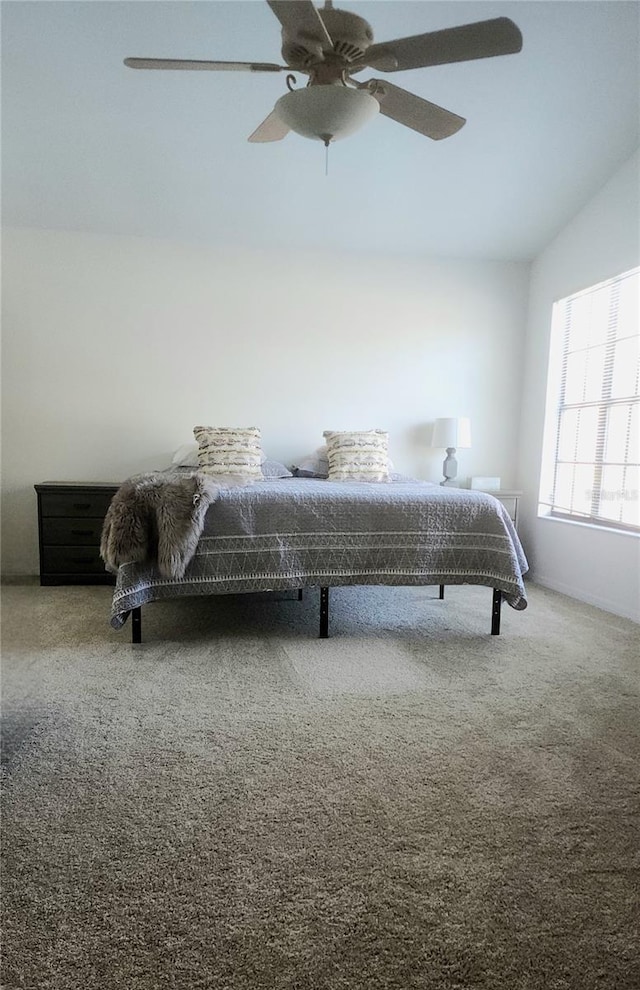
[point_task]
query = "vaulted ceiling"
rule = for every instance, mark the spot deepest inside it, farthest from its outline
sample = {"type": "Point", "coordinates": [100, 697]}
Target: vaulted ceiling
{"type": "Point", "coordinates": [89, 144]}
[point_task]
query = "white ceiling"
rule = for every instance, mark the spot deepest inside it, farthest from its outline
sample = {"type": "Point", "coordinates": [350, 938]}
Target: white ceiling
{"type": "Point", "coordinates": [91, 145]}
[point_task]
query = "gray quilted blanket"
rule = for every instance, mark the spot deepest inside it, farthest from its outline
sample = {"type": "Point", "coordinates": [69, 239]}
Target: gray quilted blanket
{"type": "Point", "coordinates": [301, 532]}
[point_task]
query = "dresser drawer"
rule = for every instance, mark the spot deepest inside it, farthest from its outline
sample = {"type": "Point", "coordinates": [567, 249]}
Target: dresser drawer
{"type": "Point", "coordinates": [510, 503]}
{"type": "Point", "coordinates": [72, 560]}
{"type": "Point", "coordinates": [510, 500]}
{"type": "Point", "coordinates": [76, 505]}
{"type": "Point", "coordinates": [70, 532]}
{"type": "Point", "coordinates": [70, 520]}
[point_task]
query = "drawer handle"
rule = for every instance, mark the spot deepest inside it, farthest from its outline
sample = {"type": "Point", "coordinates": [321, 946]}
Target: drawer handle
{"type": "Point", "coordinates": [82, 505]}
{"type": "Point", "coordinates": [82, 532]}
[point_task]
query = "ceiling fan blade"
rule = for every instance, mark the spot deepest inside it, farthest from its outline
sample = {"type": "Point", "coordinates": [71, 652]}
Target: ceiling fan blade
{"type": "Point", "coordinates": [188, 63]}
{"type": "Point", "coordinates": [301, 19]}
{"type": "Point", "coordinates": [483, 39]}
{"type": "Point", "coordinates": [272, 128]}
{"type": "Point", "coordinates": [412, 111]}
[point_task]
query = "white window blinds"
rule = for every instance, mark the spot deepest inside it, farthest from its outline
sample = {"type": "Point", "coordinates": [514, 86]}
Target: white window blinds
{"type": "Point", "coordinates": [591, 455]}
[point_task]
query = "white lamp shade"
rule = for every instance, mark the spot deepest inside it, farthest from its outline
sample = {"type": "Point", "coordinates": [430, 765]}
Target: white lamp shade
{"type": "Point", "coordinates": [326, 113]}
{"type": "Point", "coordinates": [451, 431]}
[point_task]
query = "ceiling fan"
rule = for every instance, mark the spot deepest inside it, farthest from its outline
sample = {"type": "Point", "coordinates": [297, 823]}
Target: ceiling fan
{"type": "Point", "coordinates": [331, 46]}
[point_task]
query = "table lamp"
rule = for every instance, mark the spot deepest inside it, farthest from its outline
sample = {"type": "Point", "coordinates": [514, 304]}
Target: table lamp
{"type": "Point", "coordinates": [451, 432]}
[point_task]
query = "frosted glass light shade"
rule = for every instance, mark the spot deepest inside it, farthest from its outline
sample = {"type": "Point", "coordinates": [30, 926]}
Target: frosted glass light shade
{"type": "Point", "coordinates": [326, 113]}
{"type": "Point", "coordinates": [450, 431]}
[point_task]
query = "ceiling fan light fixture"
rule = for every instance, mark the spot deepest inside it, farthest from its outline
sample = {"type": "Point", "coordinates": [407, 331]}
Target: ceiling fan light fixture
{"type": "Point", "coordinates": [326, 113]}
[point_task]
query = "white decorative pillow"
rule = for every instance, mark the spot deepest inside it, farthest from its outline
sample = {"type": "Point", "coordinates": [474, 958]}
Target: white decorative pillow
{"type": "Point", "coordinates": [315, 465]}
{"type": "Point", "coordinates": [275, 469]}
{"type": "Point", "coordinates": [229, 453]}
{"type": "Point", "coordinates": [186, 456]}
{"type": "Point", "coordinates": [357, 455]}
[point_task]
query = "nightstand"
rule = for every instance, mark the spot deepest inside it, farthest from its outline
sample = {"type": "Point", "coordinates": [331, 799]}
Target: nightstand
{"type": "Point", "coordinates": [510, 500]}
{"type": "Point", "coordinates": [70, 517]}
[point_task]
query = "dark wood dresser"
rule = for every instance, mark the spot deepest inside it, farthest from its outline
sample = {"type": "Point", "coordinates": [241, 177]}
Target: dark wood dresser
{"type": "Point", "coordinates": [70, 517]}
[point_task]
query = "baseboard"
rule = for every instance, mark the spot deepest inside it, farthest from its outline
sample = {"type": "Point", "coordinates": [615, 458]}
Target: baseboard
{"type": "Point", "coordinates": [603, 603]}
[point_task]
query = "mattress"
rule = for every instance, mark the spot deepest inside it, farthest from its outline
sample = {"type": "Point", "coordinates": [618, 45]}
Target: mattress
{"type": "Point", "coordinates": [301, 532]}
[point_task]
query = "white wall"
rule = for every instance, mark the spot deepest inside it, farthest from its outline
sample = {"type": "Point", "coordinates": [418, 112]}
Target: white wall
{"type": "Point", "coordinates": [603, 240]}
{"type": "Point", "coordinates": [114, 348]}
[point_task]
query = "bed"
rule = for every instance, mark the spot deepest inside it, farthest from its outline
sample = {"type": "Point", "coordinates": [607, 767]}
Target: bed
{"type": "Point", "coordinates": [296, 533]}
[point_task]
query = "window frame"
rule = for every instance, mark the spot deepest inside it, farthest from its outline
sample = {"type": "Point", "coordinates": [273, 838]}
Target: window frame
{"type": "Point", "coordinates": [557, 407]}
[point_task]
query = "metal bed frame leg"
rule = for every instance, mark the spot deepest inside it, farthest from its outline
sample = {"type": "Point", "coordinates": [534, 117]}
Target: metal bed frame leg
{"type": "Point", "coordinates": [495, 612]}
{"type": "Point", "coordinates": [441, 594]}
{"type": "Point", "coordinates": [136, 624]}
{"type": "Point", "coordinates": [324, 613]}
{"type": "Point", "coordinates": [496, 604]}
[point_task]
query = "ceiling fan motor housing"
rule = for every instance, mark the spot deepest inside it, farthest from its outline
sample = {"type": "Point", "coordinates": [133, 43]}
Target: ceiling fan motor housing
{"type": "Point", "coordinates": [351, 36]}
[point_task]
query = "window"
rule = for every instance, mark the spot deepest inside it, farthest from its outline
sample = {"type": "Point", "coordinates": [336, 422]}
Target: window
{"type": "Point", "coordinates": [591, 455]}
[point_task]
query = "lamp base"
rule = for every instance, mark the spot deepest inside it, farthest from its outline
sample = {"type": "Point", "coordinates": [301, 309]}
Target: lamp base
{"type": "Point", "coordinates": [450, 468]}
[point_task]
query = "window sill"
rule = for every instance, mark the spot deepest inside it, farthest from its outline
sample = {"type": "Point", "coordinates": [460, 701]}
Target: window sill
{"type": "Point", "coordinates": [589, 525]}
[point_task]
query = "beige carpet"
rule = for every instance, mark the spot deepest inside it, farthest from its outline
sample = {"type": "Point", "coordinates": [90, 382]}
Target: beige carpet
{"type": "Point", "coordinates": [235, 804]}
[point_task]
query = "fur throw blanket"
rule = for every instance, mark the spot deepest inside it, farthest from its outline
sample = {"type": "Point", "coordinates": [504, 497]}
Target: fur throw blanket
{"type": "Point", "coordinates": [157, 517]}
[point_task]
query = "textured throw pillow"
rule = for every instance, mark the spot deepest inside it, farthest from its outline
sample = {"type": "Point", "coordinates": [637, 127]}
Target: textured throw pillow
{"type": "Point", "coordinates": [229, 453]}
{"type": "Point", "coordinates": [357, 455]}
{"type": "Point", "coordinates": [316, 465]}
{"type": "Point", "coordinates": [187, 456]}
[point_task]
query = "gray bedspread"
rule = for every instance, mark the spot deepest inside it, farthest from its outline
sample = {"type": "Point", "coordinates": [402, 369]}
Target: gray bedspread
{"type": "Point", "coordinates": [300, 532]}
